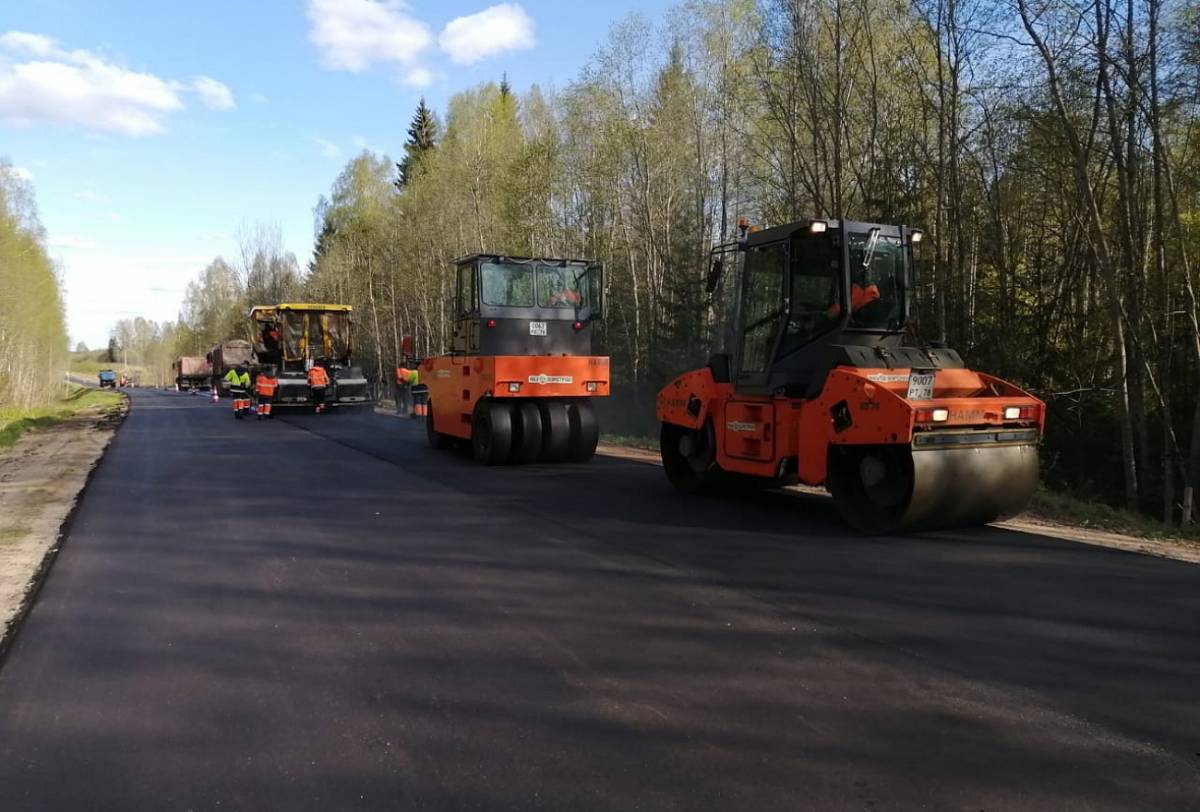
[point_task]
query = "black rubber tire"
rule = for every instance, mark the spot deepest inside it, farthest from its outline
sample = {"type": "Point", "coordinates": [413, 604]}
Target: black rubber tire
{"type": "Point", "coordinates": [436, 439]}
{"type": "Point", "coordinates": [491, 432]}
{"type": "Point", "coordinates": [527, 431]}
{"type": "Point", "coordinates": [585, 431]}
{"type": "Point", "coordinates": [694, 474]}
{"type": "Point", "coordinates": [556, 430]}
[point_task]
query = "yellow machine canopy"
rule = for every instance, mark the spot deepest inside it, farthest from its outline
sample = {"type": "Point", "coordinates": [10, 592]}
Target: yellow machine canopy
{"type": "Point", "coordinates": [302, 331]}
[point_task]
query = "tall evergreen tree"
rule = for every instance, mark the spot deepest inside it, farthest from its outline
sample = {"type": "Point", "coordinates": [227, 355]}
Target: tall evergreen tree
{"type": "Point", "coordinates": [422, 137]}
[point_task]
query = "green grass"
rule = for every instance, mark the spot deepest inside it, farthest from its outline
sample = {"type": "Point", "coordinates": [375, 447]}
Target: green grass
{"type": "Point", "coordinates": [1068, 509]}
{"type": "Point", "coordinates": [630, 441]}
{"type": "Point", "coordinates": [15, 422]}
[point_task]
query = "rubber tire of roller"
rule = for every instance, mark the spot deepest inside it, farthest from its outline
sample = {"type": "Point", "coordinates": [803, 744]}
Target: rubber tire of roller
{"type": "Point", "coordinates": [527, 431]}
{"type": "Point", "coordinates": [556, 430]}
{"type": "Point", "coordinates": [436, 438]}
{"type": "Point", "coordinates": [585, 431]}
{"type": "Point", "coordinates": [491, 432]}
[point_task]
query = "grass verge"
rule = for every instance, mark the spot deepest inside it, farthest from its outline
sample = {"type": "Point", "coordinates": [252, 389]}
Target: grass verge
{"type": "Point", "coordinates": [15, 422]}
{"type": "Point", "coordinates": [1066, 509]}
{"type": "Point", "coordinates": [630, 441]}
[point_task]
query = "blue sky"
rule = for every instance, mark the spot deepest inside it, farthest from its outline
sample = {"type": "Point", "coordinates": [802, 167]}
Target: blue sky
{"type": "Point", "coordinates": [155, 132]}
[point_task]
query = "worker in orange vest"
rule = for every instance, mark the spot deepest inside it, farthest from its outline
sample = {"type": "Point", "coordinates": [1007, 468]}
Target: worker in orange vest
{"type": "Point", "coordinates": [860, 297]}
{"type": "Point", "coordinates": [318, 384]}
{"type": "Point", "coordinates": [264, 386]}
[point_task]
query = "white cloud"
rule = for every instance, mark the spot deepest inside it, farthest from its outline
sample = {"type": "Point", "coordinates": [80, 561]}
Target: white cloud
{"type": "Point", "coordinates": [418, 77]}
{"type": "Point", "coordinates": [215, 95]}
{"type": "Point", "coordinates": [327, 148]}
{"type": "Point", "coordinates": [35, 44]}
{"type": "Point", "coordinates": [351, 34]}
{"type": "Point", "coordinates": [78, 88]}
{"type": "Point", "coordinates": [500, 28]}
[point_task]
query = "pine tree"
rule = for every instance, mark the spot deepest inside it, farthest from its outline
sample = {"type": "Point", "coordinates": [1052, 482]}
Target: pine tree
{"type": "Point", "coordinates": [505, 87]}
{"type": "Point", "coordinates": [422, 137]}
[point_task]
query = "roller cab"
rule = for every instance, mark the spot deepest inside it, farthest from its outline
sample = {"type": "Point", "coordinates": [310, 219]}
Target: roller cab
{"type": "Point", "coordinates": [519, 380]}
{"type": "Point", "coordinates": [821, 383]}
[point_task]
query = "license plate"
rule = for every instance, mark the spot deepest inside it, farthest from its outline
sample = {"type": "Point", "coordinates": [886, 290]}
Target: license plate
{"type": "Point", "coordinates": [920, 386]}
{"type": "Point", "coordinates": [537, 328]}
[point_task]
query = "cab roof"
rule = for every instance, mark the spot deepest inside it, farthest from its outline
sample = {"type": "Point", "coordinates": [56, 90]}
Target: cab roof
{"type": "Point", "coordinates": [472, 258]}
{"type": "Point", "coordinates": [785, 231]}
{"type": "Point", "coordinates": [335, 308]}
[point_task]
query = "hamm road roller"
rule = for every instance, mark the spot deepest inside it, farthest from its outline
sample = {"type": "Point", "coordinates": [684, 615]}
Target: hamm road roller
{"type": "Point", "coordinates": [519, 379]}
{"type": "Point", "coordinates": [821, 382]}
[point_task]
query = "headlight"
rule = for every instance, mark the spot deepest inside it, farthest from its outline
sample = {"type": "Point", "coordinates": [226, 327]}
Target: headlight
{"type": "Point", "coordinates": [592, 386]}
{"type": "Point", "coordinates": [1012, 413]}
{"type": "Point", "coordinates": [515, 386]}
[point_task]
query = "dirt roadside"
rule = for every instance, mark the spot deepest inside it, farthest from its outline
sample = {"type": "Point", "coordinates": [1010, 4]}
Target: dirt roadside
{"type": "Point", "coordinates": [41, 478]}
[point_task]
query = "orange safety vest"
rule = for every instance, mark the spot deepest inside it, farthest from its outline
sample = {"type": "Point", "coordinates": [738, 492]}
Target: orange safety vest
{"type": "Point", "coordinates": [266, 386]}
{"type": "Point", "coordinates": [860, 297]}
{"type": "Point", "coordinates": [317, 377]}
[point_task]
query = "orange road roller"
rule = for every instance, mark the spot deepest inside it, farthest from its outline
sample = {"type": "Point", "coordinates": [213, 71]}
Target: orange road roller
{"type": "Point", "coordinates": [822, 382]}
{"type": "Point", "coordinates": [519, 380]}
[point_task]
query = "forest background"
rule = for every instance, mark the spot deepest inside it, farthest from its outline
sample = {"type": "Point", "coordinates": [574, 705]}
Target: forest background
{"type": "Point", "coordinates": [1049, 149]}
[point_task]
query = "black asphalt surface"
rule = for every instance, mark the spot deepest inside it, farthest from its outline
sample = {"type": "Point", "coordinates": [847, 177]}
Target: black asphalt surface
{"type": "Point", "coordinates": [320, 613]}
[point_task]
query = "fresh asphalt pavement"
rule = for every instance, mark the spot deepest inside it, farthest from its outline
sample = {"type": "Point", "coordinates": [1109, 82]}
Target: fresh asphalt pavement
{"type": "Point", "coordinates": [319, 612]}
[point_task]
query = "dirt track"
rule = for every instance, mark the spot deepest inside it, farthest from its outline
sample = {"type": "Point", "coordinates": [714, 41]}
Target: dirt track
{"type": "Point", "coordinates": [40, 478]}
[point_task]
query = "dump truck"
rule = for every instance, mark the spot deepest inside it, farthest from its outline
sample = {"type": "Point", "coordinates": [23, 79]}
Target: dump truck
{"type": "Point", "coordinates": [226, 356]}
{"type": "Point", "coordinates": [518, 381]}
{"type": "Point", "coordinates": [107, 378]}
{"type": "Point", "coordinates": [822, 382]}
{"type": "Point", "coordinates": [294, 337]}
{"type": "Point", "coordinates": [192, 374]}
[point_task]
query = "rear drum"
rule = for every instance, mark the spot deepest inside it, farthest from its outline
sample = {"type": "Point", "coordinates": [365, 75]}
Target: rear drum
{"type": "Point", "coordinates": [882, 489]}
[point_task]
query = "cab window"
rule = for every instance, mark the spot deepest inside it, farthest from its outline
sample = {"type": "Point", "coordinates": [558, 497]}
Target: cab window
{"type": "Point", "coordinates": [762, 302]}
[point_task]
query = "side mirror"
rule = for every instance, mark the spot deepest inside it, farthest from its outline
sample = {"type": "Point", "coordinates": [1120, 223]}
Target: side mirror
{"type": "Point", "coordinates": [714, 275]}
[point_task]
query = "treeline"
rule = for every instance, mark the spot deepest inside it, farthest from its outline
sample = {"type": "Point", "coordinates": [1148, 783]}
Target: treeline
{"type": "Point", "coordinates": [1047, 146]}
{"type": "Point", "coordinates": [33, 333]}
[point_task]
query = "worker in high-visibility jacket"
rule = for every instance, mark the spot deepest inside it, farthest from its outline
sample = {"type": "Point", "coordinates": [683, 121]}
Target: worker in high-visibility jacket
{"type": "Point", "coordinates": [420, 394]}
{"type": "Point", "coordinates": [318, 385]}
{"type": "Point", "coordinates": [403, 392]}
{"type": "Point", "coordinates": [409, 402]}
{"type": "Point", "coordinates": [264, 386]}
{"type": "Point", "coordinates": [239, 390]}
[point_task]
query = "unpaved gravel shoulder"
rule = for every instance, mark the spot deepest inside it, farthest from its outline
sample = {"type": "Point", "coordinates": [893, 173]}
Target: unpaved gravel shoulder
{"type": "Point", "coordinates": [41, 477]}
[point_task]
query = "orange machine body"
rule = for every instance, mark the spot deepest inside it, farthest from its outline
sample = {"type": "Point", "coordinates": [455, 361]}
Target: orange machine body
{"type": "Point", "coordinates": [458, 382]}
{"type": "Point", "coordinates": [760, 435]}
